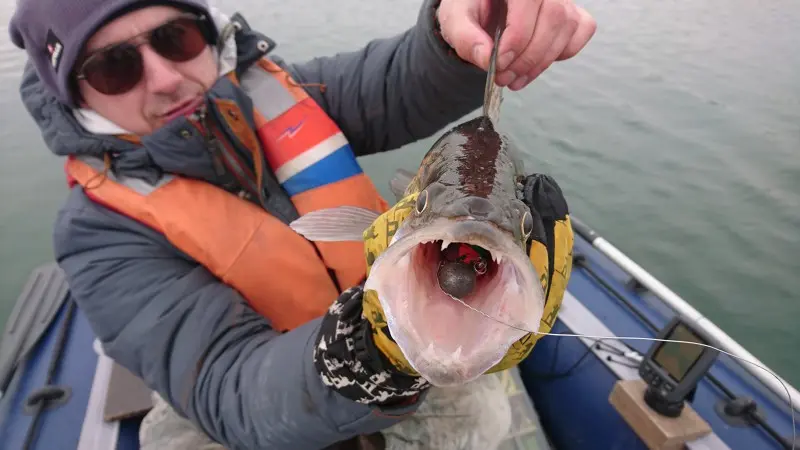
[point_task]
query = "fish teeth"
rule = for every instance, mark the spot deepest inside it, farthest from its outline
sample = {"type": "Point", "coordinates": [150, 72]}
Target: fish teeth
{"type": "Point", "coordinates": [445, 244]}
{"type": "Point", "coordinates": [430, 348]}
{"type": "Point", "coordinates": [497, 258]}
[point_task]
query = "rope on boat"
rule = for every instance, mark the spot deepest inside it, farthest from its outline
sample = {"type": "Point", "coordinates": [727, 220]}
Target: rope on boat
{"type": "Point", "coordinates": [49, 395]}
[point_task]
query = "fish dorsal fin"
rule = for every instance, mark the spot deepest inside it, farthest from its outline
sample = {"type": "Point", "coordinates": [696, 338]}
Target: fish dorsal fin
{"type": "Point", "coordinates": [399, 183]}
{"type": "Point", "coordinates": [493, 94]}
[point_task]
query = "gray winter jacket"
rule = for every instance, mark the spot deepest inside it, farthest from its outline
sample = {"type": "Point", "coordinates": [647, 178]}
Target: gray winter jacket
{"type": "Point", "coordinates": [166, 318]}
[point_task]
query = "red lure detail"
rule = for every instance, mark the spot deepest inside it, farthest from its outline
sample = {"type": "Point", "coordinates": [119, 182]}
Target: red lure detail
{"type": "Point", "coordinates": [467, 254]}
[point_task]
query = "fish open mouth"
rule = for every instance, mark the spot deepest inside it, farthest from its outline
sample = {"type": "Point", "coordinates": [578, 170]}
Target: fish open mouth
{"type": "Point", "coordinates": [427, 276]}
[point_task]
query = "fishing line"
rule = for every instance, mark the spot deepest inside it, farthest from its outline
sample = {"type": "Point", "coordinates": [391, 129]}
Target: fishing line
{"type": "Point", "coordinates": [637, 338]}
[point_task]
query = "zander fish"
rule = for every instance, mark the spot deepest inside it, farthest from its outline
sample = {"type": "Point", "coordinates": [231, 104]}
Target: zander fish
{"type": "Point", "coordinates": [463, 243]}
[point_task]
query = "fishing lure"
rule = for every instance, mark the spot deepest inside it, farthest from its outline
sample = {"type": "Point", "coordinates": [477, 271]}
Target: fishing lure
{"type": "Point", "coordinates": [460, 266]}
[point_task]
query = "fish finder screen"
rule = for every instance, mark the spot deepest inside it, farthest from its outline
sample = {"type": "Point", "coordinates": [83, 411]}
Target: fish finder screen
{"type": "Point", "coordinates": [678, 358]}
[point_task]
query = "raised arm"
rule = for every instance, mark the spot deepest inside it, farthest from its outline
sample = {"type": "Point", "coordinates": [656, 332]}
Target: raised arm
{"type": "Point", "coordinates": [395, 90]}
{"type": "Point", "coordinates": [196, 341]}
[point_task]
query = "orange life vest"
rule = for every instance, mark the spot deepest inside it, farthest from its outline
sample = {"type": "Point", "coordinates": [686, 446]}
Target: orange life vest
{"type": "Point", "coordinates": [279, 273]}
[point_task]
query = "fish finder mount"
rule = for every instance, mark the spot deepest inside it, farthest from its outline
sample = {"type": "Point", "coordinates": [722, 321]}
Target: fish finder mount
{"type": "Point", "coordinates": [672, 369]}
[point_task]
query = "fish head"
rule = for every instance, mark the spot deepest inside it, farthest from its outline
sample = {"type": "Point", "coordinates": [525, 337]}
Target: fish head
{"type": "Point", "coordinates": [470, 174]}
{"type": "Point", "coordinates": [453, 340]}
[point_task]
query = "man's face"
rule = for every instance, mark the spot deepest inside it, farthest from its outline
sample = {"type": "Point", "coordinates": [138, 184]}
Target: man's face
{"type": "Point", "coordinates": [166, 90]}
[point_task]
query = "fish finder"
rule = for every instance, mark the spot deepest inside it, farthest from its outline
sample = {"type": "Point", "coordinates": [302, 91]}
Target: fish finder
{"type": "Point", "coordinates": [672, 370]}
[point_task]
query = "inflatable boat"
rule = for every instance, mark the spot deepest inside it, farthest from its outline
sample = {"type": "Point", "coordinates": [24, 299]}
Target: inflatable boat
{"type": "Point", "coordinates": [59, 391]}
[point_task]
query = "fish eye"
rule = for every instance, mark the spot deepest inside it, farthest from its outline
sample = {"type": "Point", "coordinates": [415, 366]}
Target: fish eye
{"type": "Point", "coordinates": [422, 202]}
{"type": "Point", "coordinates": [527, 224]}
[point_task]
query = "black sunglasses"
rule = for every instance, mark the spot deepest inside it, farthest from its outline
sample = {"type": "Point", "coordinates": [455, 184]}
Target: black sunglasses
{"type": "Point", "coordinates": [118, 68]}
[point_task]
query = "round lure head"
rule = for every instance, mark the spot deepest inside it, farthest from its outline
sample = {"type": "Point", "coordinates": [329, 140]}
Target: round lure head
{"type": "Point", "coordinates": [448, 338]}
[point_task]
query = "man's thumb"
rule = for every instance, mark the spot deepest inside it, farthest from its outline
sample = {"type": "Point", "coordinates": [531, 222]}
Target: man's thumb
{"type": "Point", "coordinates": [462, 31]}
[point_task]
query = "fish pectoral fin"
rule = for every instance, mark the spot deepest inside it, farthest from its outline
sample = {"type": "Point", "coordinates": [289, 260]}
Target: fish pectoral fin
{"type": "Point", "coordinates": [399, 183]}
{"type": "Point", "coordinates": [343, 223]}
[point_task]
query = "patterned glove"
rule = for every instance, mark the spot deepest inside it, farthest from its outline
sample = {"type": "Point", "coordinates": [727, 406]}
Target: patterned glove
{"type": "Point", "coordinates": [348, 361]}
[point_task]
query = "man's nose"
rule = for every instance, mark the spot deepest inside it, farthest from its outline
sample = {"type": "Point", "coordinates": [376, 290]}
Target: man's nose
{"type": "Point", "coordinates": [160, 73]}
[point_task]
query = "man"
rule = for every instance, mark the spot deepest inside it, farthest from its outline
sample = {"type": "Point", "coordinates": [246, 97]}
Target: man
{"type": "Point", "coordinates": [190, 148]}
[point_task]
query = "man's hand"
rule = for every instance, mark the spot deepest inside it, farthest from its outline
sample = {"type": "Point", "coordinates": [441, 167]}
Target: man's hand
{"type": "Point", "coordinates": [537, 33]}
{"type": "Point", "coordinates": [350, 362]}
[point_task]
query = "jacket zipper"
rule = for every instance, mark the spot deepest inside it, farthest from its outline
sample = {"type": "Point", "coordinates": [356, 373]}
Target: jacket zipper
{"type": "Point", "coordinates": [213, 143]}
{"type": "Point", "coordinates": [238, 179]}
{"type": "Point", "coordinates": [248, 185]}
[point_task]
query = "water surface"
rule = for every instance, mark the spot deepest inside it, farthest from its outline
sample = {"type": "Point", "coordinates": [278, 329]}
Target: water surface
{"type": "Point", "coordinates": [675, 134]}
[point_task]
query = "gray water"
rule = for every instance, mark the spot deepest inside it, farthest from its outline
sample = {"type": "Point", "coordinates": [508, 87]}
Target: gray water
{"type": "Point", "coordinates": [675, 134]}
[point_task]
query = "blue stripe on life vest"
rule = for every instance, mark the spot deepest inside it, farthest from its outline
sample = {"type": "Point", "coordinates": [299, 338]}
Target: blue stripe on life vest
{"type": "Point", "coordinates": [337, 166]}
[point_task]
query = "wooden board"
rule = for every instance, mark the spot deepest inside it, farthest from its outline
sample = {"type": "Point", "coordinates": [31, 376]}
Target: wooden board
{"type": "Point", "coordinates": [658, 432]}
{"type": "Point", "coordinates": [127, 397]}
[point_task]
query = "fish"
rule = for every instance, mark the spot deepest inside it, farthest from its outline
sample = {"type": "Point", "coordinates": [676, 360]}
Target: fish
{"type": "Point", "coordinates": [460, 258]}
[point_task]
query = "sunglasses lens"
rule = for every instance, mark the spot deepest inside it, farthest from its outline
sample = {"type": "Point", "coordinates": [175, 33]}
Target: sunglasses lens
{"type": "Point", "coordinates": [118, 69]}
{"type": "Point", "coordinates": [114, 71]}
{"type": "Point", "coordinates": [179, 40]}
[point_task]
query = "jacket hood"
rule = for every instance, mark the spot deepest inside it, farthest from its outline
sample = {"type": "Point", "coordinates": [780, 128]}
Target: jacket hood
{"type": "Point", "coordinates": [67, 131]}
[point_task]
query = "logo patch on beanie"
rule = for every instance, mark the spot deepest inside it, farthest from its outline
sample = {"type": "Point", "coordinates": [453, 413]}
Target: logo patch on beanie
{"type": "Point", "coordinates": [55, 49]}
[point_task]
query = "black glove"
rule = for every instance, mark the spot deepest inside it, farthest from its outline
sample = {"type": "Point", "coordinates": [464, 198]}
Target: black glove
{"type": "Point", "coordinates": [544, 198]}
{"type": "Point", "coordinates": [542, 194]}
{"type": "Point", "coordinates": [349, 362]}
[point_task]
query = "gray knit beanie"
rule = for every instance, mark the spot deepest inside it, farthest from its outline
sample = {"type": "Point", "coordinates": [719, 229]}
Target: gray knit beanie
{"type": "Point", "coordinates": [53, 32]}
